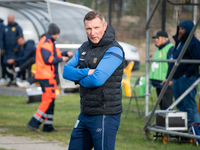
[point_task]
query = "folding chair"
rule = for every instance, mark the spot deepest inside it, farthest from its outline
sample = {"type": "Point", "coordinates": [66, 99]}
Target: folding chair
{"type": "Point", "coordinates": [126, 82]}
{"type": "Point", "coordinates": [141, 94]}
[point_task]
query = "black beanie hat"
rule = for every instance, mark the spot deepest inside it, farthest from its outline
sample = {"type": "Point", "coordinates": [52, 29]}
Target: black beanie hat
{"type": "Point", "coordinates": [53, 29]}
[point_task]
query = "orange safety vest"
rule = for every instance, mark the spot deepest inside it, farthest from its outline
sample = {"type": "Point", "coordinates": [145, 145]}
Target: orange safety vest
{"type": "Point", "coordinates": [43, 70]}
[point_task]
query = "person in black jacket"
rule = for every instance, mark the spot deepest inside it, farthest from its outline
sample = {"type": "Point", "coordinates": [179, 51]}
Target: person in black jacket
{"type": "Point", "coordinates": [100, 62]}
{"type": "Point", "coordinates": [2, 51]}
{"type": "Point", "coordinates": [10, 34]}
{"type": "Point", "coordinates": [28, 57]}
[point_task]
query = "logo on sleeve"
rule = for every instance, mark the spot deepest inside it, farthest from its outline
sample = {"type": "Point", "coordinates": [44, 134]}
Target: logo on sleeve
{"type": "Point", "coordinates": [81, 59]}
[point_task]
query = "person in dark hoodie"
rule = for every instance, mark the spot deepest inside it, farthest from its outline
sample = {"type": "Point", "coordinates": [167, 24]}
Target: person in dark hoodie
{"type": "Point", "coordinates": [10, 34]}
{"type": "Point", "coordinates": [186, 74]}
{"type": "Point", "coordinates": [159, 70]}
{"type": "Point", "coordinates": [98, 67]}
{"type": "Point", "coordinates": [2, 51]}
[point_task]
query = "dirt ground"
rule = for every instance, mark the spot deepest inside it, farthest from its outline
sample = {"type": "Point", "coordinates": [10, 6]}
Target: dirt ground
{"type": "Point", "coordinates": [22, 143]}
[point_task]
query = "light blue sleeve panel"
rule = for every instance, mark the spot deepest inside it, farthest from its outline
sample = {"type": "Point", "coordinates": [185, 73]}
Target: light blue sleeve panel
{"type": "Point", "coordinates": [111, 60]}
{"type": "Point", "coordinates": [71, 73]}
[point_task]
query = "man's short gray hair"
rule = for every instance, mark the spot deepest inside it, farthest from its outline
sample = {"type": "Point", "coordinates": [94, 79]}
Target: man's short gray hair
{"type": "Point", "coordinates": [93, 14]}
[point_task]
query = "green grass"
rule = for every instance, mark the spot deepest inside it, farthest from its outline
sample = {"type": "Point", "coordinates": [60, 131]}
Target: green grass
{"type": "Point", "coordinates": [142, 68]}
{"type": "Point", "coordinates": [15, 113]}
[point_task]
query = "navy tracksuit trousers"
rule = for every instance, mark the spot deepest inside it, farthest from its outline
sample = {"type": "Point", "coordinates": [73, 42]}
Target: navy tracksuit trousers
{"type": "Point", "coordinates": [3, 68]}
{"type": "Point", "coordinates": [95, 131]}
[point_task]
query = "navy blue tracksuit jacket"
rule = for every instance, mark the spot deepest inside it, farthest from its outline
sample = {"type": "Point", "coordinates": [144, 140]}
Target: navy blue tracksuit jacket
{"type": "Point", "coordinates": [192, 52]}
{"type": "Point", "coordinates": [10, 34]}
{"type": "Point", "coordinates": [2, 26]}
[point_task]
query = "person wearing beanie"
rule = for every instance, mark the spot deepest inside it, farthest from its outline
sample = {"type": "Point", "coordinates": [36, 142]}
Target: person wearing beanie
{"type": "Point", "coordinates": [53, 29]}
{"type": "Point", "coordinates": [47, 59]}
{"type": "Point", "coordinates": [186, 74]}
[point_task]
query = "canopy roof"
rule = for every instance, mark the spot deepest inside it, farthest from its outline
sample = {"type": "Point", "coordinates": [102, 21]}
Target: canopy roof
{"type": "Point", "coordinates": [20, 1]}
{"type": "Point", "coordinates": [34, 17]}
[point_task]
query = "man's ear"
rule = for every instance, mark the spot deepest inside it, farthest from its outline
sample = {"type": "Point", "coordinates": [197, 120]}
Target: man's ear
{"type": "Point", "coordinates": [105, 26]}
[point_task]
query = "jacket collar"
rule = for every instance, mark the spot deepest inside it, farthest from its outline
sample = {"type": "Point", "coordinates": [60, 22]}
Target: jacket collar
{"type": "Point", "coordinates": [50, 37]}
{"type": "Point", "coordinates": [163, 45]}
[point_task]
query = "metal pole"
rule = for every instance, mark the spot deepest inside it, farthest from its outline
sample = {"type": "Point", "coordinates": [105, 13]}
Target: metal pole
{"type": "Point", "coordinates": [195, 12]}
{"type": "Point", "coordinates": [147, 66]}
{"type": "Point", "coordinates": [163, 14]}
{"type": "Point", "coordinates": [184, 3]}
{"type": "Point", "coordinates": [194, 61]}
{"type": "Point", "coordinates": [49, 10]}
{"type": "Point", "coordinates": [109, 12]}
{"type": "Point", "coordinates": [174, 133]}
{"type": "Point", "coordinates": [152, 12]}
{"type": "Point", "coordinates": [95, 4]}
{"type": "Point", "coordinates": [172, 72]}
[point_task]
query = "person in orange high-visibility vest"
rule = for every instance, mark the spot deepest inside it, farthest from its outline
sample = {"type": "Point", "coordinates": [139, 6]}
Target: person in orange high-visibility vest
{"type": "Point", "coordinates": [47, 59]}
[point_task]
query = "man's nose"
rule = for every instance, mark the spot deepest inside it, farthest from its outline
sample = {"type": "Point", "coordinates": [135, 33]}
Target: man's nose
{"type": "Point", "coordinates": [92, 32]}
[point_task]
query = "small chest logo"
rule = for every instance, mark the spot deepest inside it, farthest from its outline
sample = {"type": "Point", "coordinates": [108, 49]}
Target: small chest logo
{"type": "Point", "coordinates": [83, 53]}
{"type": "Point", "coordinates": [13, 29]}
{"type": "Point", "coordinates": [160, 55]}
{"type": "Point", "coordinates": [98, 130]}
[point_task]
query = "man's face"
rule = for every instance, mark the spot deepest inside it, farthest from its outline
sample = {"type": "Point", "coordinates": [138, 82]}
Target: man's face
{"type": "Point", "coordinates": [181, 33]}
{"type": "Point", "coordinates": [11, 19]}
{"type": "Point", "coordinates": [159, 41]}
{"type": "Point", "coordinates": [95, 29]}
{"type": "Point", "coordinates": [21, 42]}
{"type": "Point", "coordinates": [55, 37]}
